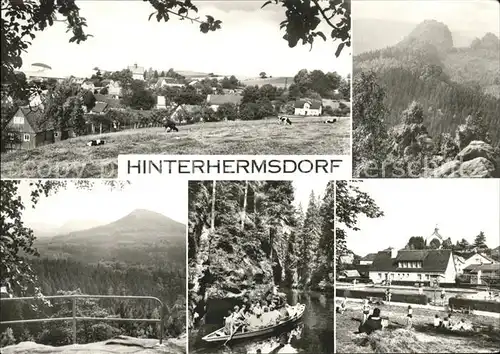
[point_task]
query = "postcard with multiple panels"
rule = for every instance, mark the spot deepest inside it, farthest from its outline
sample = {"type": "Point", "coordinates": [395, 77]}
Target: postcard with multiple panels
{"type": "Point", "coordinates": [186, 176]}
{"type": "Point", "coordinates": [201, 78]}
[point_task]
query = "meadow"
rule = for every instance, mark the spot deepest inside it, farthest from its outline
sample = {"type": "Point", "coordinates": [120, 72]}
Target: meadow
{"type": "Point", "coordinates": [420, 339]}
{"type": "Point", "coordinates": [74, 159]}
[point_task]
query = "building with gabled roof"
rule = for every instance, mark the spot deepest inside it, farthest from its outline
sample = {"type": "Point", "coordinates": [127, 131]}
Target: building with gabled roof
{"type": "Point", "coordinates": [411, 266]}
{"type": "Point", "coordinates": [215, 101]}
{"type": "Point", "coordinates": [307, 107]}
{"type": "Point", "coordinates": [137, 72]}
{"type": "Point", "coordinates": [29, 128]}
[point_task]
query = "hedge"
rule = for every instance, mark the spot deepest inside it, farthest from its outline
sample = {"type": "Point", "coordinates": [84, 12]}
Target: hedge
{"type": "Point", "coordinates": [361, 294]}
{"type": "Point", "coordinates": [479, 305]}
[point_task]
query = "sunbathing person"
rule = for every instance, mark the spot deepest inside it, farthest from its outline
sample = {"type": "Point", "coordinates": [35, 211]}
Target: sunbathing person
{"type": "Point", "coordinates": [437, 321]}
{"type": "Point", "coordinates": [462, 326]}
{"type": "Point", "coordinates": [373, 323]}
{"type": "Point", "coordinates": [342, 307]}
{"type": "Point", "coordinates": [446, 323]}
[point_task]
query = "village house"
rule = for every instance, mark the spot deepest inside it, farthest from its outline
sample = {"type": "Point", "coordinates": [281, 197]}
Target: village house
{"type": "Point", "coordinates": [308, 108]}
{"type": "Point", "coordinates": [160, 102]}
{"type": "Point", "coordinates": [215, 101]}
{"type": "Point", "coordinates": [477, 259]}
{"type": "Point", "coordinates": [412, 266]}
{"type": "Point", "coordinates": [137, 72]}
{"type": "Point", "coordinates": [29, 129]}
{"type": "Point", "coordinates": [347, 258]}
{"type": "Point", "coordinates": [104, 103]}
{"type": "Point", "coordinates": [88, 85]}
{"type": "Point", "coordinates": [163, 82]}
{"type": "Point", "coordinates": [483, 274]}
{"type": "Point", "coordinates": [184, 112]}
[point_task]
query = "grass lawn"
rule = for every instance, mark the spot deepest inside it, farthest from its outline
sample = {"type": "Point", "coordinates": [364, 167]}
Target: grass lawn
{"type": "Point", "coordinates": [74, 159]}
{"type": "Point", "coordinates": [420, 339]}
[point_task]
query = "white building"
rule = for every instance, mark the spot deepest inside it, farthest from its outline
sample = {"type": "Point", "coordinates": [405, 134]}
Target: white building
{"type": "Point", "coordinates": [160, 102]}
{"type": "Point", "coordinates": [137, 72]}
{"type": "Point", "coordinates": [308, 108]}
{"type": "Point", "coordinates": [413, 266]}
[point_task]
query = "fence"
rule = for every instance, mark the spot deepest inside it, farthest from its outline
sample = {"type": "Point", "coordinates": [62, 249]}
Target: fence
{"type": "Point", "coordinates": [76, 318]}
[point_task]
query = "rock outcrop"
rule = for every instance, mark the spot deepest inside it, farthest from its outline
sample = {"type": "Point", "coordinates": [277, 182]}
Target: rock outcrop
{"type": "Point", "coordinates": [478, 159]}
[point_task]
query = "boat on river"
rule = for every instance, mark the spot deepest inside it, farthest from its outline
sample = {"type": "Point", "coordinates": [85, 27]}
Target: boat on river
{"type": "Point", "coordinates": [296, 312]}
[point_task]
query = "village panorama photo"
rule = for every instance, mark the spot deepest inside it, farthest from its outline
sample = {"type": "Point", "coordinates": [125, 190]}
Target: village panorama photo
{"type": "Point", "coordinates": [171, 77]}
{"type": "Point", "coordinates": [417, 266]}
{"type": "Point", "coordinates": [92, 266]}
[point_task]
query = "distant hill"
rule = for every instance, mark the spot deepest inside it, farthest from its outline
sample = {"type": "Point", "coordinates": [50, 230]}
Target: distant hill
{"type": "Point", "coordinates": [451, 83]}
{"type": "Point", "coordinates": [373, 34]}
{"type": "Point", "coordinates": [275, 81]}
{"type": "Point", "coordinates": [142, 237]}
{"type": "Point", "coordinates": [78, 225]}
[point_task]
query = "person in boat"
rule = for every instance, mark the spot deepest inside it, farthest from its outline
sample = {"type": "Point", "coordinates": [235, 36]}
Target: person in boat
{"type": "Point", "coordinates": [437, 321]}
{"type": "Point", "coordinates": [228, 322]}
{"type": "Point", "coordinates": [275, 314]}
{"type": "Point", "coordinates": [284, 314]}
{"type": "Point", "coordinates": [373, 323]}
{"type": "Point", "coordinates": [239, 320]}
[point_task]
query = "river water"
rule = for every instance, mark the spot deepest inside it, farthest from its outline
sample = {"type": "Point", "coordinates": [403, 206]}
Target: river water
{"type": "Point", "coordinates": [314, 334]}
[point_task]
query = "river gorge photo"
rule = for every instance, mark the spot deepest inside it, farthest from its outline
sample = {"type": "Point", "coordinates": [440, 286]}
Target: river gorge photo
{"type": "Point", "coordinates": [261, 271]}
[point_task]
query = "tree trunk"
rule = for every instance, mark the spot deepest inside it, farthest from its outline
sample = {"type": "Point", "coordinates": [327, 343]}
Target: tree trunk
{"type": "Point", "coordinates": [212, 221]}
{"type": "Point", "coordinates": [243, 214]}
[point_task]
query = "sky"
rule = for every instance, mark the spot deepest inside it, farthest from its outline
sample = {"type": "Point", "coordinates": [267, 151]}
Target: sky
{"type": "Point", "coordinates": [303, 187]}
{"type": "Point", "coordinates": [476, 17]}
{"type": "Point", "coordinates": [460, 207]}
{"type": "Point", "coordinates": [101, 203]}
{"type": "Point", "coordinates": [249, 42]}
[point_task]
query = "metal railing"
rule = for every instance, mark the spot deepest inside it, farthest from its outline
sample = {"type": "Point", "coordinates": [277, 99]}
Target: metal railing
{"type": "Point", "coordinates": [76, 318]}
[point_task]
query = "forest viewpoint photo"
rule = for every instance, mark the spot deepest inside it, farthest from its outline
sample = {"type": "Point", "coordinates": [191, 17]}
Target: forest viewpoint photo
{"type": "Point", "coordinates": [426, 90]}
{"type": "Point", "coordinates": [92, 267]}
{"type": "Point", "coordinates": [261, 272]}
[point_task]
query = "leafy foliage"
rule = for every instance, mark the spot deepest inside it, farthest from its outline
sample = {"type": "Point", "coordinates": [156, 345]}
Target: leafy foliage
{"type": "Point", "coordinates": [303, 18]}
{"type": "Point", "coordinates": [351, 202]}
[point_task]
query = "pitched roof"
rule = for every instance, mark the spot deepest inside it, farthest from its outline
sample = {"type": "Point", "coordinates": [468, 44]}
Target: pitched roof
{"type": "Point", "coordinates": [136, 69]}
{"type": "Point", "coordinates": [432, 260]}
{"type": "Point", "coordinates": [35, 118]}
{"type": "Point", "coordinates": [221, 99]}
{"type": "Point", "coordinates": [473, 268]}
{"type": "Point", "coordinates": [191, 108]}
{"type": "Point", "coordinates": [313, 104]}
{"type": "Point", "coordinates": [352, 273]}
{"type": "Point", "coordinates": [99, 107]}
{"type": "Point", "coordinates": [111, 102]}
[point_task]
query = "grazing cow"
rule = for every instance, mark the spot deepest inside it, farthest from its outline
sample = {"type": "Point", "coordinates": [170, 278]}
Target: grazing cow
{"type": "Point", "coordinates": [284, 120]}
{"type": "Point", "coordinates": [333, 120]}
{"type": "Point", "coordinates": [95, 142]}
{"type": "Point", "coordinates": [170, 126]}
